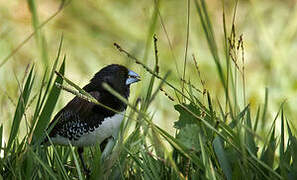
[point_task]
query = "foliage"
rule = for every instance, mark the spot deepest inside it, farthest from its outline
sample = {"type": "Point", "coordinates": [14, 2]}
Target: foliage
{"type": "Point", "coordinates": [214, 139]}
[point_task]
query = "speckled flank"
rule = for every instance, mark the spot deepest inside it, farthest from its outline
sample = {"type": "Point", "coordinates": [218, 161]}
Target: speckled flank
{"type": "Point", "coordinates": [109, 127]}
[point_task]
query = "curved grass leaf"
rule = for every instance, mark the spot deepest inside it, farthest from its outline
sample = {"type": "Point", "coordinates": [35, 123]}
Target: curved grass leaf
{"type": "Point", "coordinates": [48, 108]}
{"type": "Point", "coordinates": [222, 158]}
{"type": "Point", "coordinates": [21, 106]}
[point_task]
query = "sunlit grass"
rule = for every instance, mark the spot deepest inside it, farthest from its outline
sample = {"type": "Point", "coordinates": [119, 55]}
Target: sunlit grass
{"type": "Point", "coordinates": [200, 112]}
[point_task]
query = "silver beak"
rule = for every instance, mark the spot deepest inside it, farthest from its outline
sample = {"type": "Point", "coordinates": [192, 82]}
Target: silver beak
{"type": "Point", "coordinates": [133, 77]}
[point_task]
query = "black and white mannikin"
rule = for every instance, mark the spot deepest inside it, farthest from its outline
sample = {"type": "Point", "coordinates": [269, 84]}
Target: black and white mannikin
{"type": "Point", "coordinates": [84, 123]}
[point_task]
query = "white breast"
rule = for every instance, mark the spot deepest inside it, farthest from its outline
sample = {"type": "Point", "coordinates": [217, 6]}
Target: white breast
{"type": "Point", "coordinates": [109, 127]}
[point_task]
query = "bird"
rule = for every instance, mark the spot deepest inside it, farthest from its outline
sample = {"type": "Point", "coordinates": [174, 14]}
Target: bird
{"type": "Point", "coordinates": [82, 123]}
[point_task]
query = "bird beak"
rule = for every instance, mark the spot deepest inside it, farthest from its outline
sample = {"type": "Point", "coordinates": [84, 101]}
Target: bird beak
{"type": "Point", "coordinates": [133, 77]}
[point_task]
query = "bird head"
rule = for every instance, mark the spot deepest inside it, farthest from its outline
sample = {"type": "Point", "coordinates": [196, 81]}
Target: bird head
{"type": "Point", "coordinates": [117, 76]}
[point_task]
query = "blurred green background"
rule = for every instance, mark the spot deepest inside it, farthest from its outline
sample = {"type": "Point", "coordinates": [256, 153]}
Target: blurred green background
{"type": "Point", "coordinates": [90, 28]}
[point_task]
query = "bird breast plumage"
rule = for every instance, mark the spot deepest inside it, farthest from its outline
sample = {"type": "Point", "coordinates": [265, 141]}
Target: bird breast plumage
{"type": "Point", "coordinates": [109, 127]}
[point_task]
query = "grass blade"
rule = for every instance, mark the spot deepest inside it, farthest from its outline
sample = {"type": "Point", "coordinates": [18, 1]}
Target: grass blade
{"type": "Point", "coordinates": [76, 163]}
{"type": "Point", "coordinates": [21, 106]}
{"type": "Point", "coordinates": [222, 158]}
{"type": "Point", "coordinates": [48, 107]}
{"type": "Point", "coordinates": [45, 166]}
{"type": "Point", "coordinates": [39, 37]}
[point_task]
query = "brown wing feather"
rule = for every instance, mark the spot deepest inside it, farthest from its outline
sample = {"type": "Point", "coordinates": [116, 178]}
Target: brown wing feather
{"type": "Point", "coordinates": [77, 110]}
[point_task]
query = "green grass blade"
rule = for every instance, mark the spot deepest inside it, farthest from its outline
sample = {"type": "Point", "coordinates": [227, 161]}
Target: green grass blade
{"type": "Point", "coordinates": [222, 158]}
{"type": "Point", "coordinates": [240, 116]}
{"type": "Point", "coordinates": [269, 153]}
{"type": "Point", "coordinates": [1, 136]}
{"type": "Point", "coordinates": [76, 163]}
{"type": "Point", "coordinates": [249, 134]}
{"type": "Point", "coordinates": [147, 161]}
{"type": "Point", "coordinates": [152, 80]}
{"type": "Point", "coordinates": [40, 41]}
{"type": "Point", "coordinates": [45, 166]}
{"type": "Point", "coordinates": [187, 45]}
{"type": "Point", "coordinates": [158, 89]}
{"type": "Point", "coordinates": [208, 31]}
{"type": "Point", "coordinates": [41, 98]}
{"type": "Point", "coordinates": [48, 107]}
{"type": "Point", "coordinates": [38, 104]}
{"type": "Point", "coordinates": [140, 164]}
{"type": "Point", "coordinates": [20, 109]}
{"type": "Point", "coordinates": [96, 165]}
{"type": "Point", "coordinates": [49, 84]}
{"type": "Point", "coordinates": [293, 172]}
{"type": "Point", "coordinates": [61, 166]}
{"type": "Point", "coordinates": [257, 119]}
{"type": "Point", "coordinates": [263, 119]}
{"type": "Point", "coordinates": [151, 31]}
{"type": "Point", "coordinates": [282, 137]}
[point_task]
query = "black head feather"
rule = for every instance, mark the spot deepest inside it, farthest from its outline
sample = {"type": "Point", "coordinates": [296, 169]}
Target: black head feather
{"type": "Point", "coordinates": [115, 76]}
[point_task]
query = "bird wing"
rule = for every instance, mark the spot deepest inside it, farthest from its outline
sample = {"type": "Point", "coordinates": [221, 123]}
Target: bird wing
{"type": "Point", "coordinates": [76, 117]}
